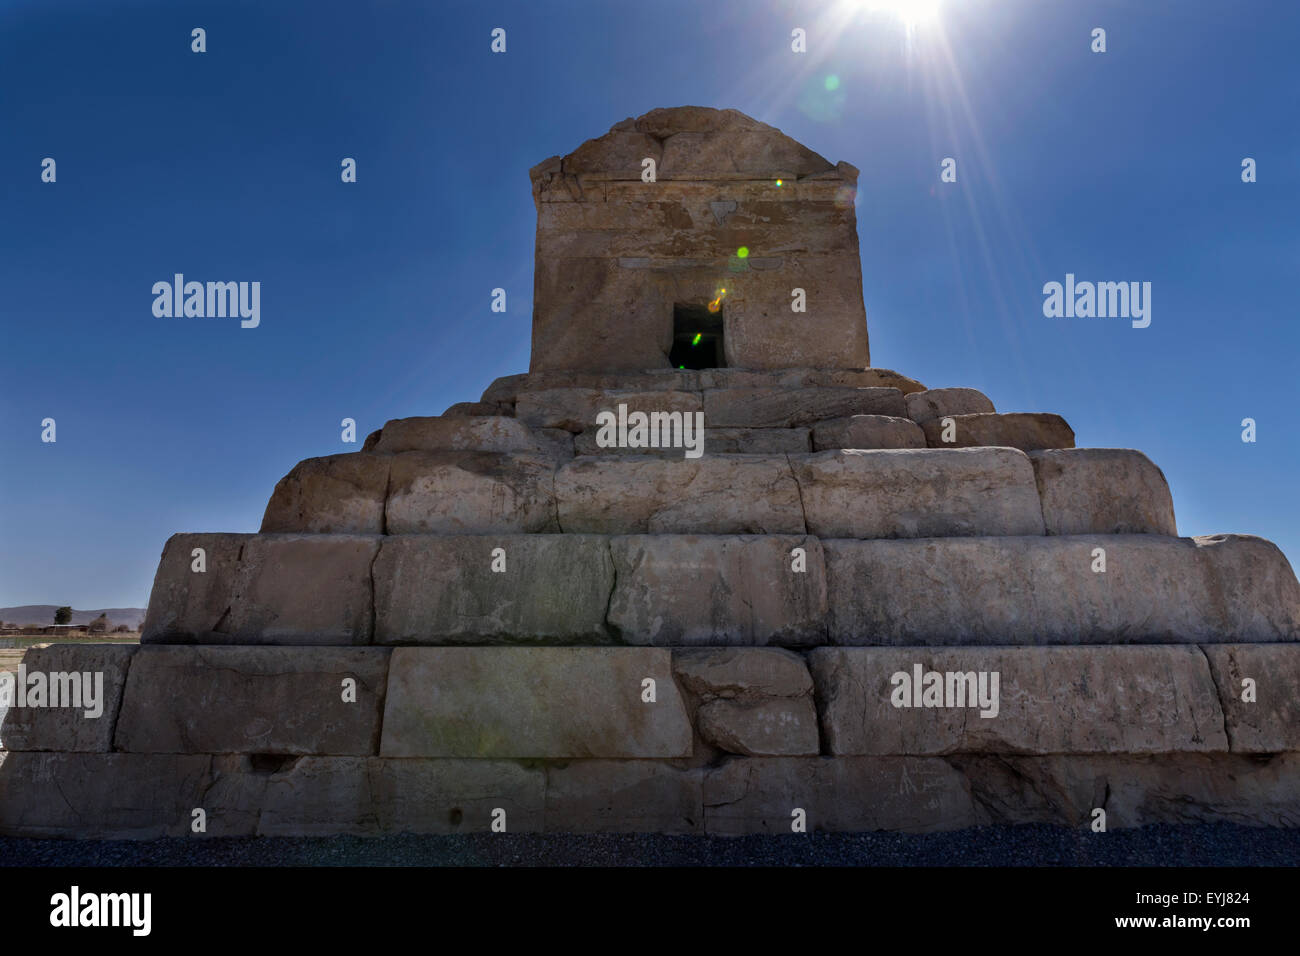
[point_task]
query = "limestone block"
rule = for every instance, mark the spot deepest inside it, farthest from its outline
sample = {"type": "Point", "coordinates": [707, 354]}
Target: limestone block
{"type": "Point", "coordinates": [937, 402]}
{"type": "Point", "coordinates": [475, 409]}
{"type": "Point", "coordinates": [867, 431]}
{"type": "Point", "coordinates": [913, 794]}
{"type": "Point", "coordinates": [468, 433]}
{"type": "Point", "coordinates": [1141, 699]}
{"type": "Point", "coordinates": [503, 390]}
{"type": "Point", "coordinates": [451, 492]}
{"type": "Point", "coordinates": [185, 604]}
{"type": "Point", "coordinates": [257, 700]}
{"type": "Point", "coordinates": [768, 728]}
{"type": "Point", "coordinates": [1136, 790]}
{"type": "Point", "coordinates": [740, 494]}
{"type": "Point", "coordinates": [101, 795]}
{"type": "Point", "coordinates": [717, 441]}
{"type": "Point", "coordinates": [442, 589]}
{"type": "Point", "coordinates": [1271, 722]}
{"type": "Point", "coordinates": [321, 796]}
{"type": "Point", "coordinates": [490, 702]}
{"type": "Point", "coordinates": [1102, 491]}
{"type": "Point", "coordinates": [263, 589]}
{"type": "Point", "coordinates": [915, 493]}
{"type": "Point", "coordinates": [337, 494]}
{"type": "Point", "coordinates": [716, 589]}
{"type": "Point", "coordinates": [575, 409]}
{"type": "Point", "coordinates": [1251, 587]}
{"type": "Point", "coordinates": [1028, 431]}
{"type": "Point", "coordinates": [746, 674]}
{"type": "Point", "coordinates": [299, 589]}
{"type": "Point", "coordinates": [623, 796]}
{"type": "Point", "coordinates": [1042, 590]}
{"type": "Point", "coordinates": [781, 408]}
{"type": "Point", "coordinates": [86, 680]}
{"type": "Point", "coordinates": [555, 442]}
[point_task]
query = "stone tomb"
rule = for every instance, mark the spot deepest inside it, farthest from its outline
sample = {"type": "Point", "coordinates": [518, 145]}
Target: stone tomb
{"type": "Point", "coordinates": [490, 620]}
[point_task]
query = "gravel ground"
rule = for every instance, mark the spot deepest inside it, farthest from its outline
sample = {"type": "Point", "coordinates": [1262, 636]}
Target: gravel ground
{"type": "Point", "coordinates": [1037, 845]}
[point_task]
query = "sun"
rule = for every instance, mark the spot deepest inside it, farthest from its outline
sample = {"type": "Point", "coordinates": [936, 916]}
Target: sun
{"type": "Point", "coordinates": [912, 13]}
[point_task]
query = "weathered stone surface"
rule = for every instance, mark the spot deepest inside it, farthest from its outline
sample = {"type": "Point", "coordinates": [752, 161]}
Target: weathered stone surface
{"type": "Point", "coordinates": [1144, 699]}
{"type": "Point", "coordinates": [300, 589]}
{"type": "Point", "coordinates": [747, 674]}
{"type": "Point", "coordinates": [257, 700]}
{"type": "Point", "coordinates": [1102, 491]}
{"type": "Point", "coordinates": [263, 589]}
{"type": "Point", "coordinates": [1252, 588]}
{"type": "Point", "coordinates": [555, 442]}
{"type": "Point", "coordinates": [1271, 722]}
{"type": "Point", "coordinates": [455, 492]}
{"type": "Point", "coordinates": [1028, 431]}
{"type": "Point", "coordinates": [457, 433]}
{"type": "Point", "coordinates": [937, 402]}
{"type": "Point", "coordinates": [624, 796]}
{"type": "Point", "coordinates": [740, 494]}
{"type": "Point", "coordinates": [102, 795]}
{"type": "Point", "coordinates": [781, 408]}
{"type": "Point", "coordinates": [186, 605]}
{"type": "Point", "coordinates": [759, 794]}
{"type": "Point", "coordinates": [441, 589]}
{"type": "Point", "coordinates": [915, 493]}
{"type": "Point", "coordinates": [86, 725]}
{"type": "Point", "coordinates": [475, 409]}
{"type": "Point", "coordinates": [717, 441]}
{"type": "Point", "coordinates": [321, 796]}
{"type": "Point", "coordinates": [867, 431]}
{"type": "Point", "coordinates": [1136, 790]}
{"type": "Point", "coordinates": [716, 589]}
{"type": "Point", "coordinates": [503, 390]}
{"type": "Point", "coordinates": [532, 702]}
{"type": "Point", "coordinates": [1031, 590]}
{"type": "Point", "coordinates": [575, 409]}
{"type": "Point", "coordinates": [767, 728]}
{"type": "Point", "coordinates": [338, 494]}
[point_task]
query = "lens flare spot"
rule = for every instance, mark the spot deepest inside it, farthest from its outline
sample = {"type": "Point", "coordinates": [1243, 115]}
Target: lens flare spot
{"type": "Point", "coordinates": [742, 252]}
{"type": "Point", "coordinates": [832, 82]}
{"type": "Point", "coordinates": [780, 183]}
{"type": "Point", "coordinates": [698, 336]}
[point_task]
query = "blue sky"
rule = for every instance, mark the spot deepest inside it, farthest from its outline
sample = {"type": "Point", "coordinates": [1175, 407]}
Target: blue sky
{"type": "Point", "coordinates": [1120, 166]}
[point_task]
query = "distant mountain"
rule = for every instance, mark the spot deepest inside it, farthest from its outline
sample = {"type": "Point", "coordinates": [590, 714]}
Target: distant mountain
{"type": "Point", "coordinates": [43, 614]}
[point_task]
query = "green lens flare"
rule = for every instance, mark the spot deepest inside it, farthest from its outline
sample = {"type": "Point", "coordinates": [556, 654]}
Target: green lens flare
{"type": "Point", "coordinates": [743, 252]}
{"type": "Point", "coordinates": [832, 82]}
{"type": "Point", "coordinates": [698, 336]}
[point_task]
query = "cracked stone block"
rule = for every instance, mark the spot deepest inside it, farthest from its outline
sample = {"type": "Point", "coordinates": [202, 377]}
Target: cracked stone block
{"type": "Point", "coordinates": [1270, 723]}
{"type": "Point", "coordinates": [717, 589]}
{"type": "Point", "coordinates": [791, 407]}
{"type": "Point", "coordinates": [623, 796]}
{"type": "Point", "coordinates": [90, 677]}
{"type": "Point", "coordinates": [473, 589]}
{"type": "Point", "coordinates": [1028, 431]}
{"type": "Point", "coordinates": [524, 702]}
{"type": "Point", "coordinates": [918, 493]}
{"type": "Point", "coordinates": [867, 431]}
{"type": "Point", "coordinates": [1102, 491]}
{"type": "Point", "coordinates": [256, 700]}
{"type": "Point", "coordinates": [471, 492]}
{"type": "Point", "coordinates": [1143, 699]}
{"type": "Point", "coordinates": [742, 494]}
{"type": "Point", "coordinates": [337, 494]}
{"type": "Point", "coordinates": [937, 402]}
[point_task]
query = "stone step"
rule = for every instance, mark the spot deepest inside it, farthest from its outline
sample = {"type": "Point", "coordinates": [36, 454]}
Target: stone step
{"type": "Point", "coordinates": [938, 402]}
{"type": "Point", "coordinates": [146, 796]}
{"type": "Point", "coordinates": [669, 589]}
{"type": "Point", "coordinates": [1028, 431]}
{"type": "Point", "coordinates": [866, 432]}
{"type": "Point", "coordinates": [506, 390]}
{"type": "Point", "coordinates": [716, 441]}
{"type": "Point", "coordinates": [842, 493]}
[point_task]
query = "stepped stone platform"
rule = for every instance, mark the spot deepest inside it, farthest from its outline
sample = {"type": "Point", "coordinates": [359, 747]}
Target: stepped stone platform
{"type": "Point", "coordinates": [864, 604]}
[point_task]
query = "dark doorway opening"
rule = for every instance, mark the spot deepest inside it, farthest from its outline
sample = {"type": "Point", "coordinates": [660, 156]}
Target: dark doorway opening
{"type": "Point", "coordinates": [697, 337]}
